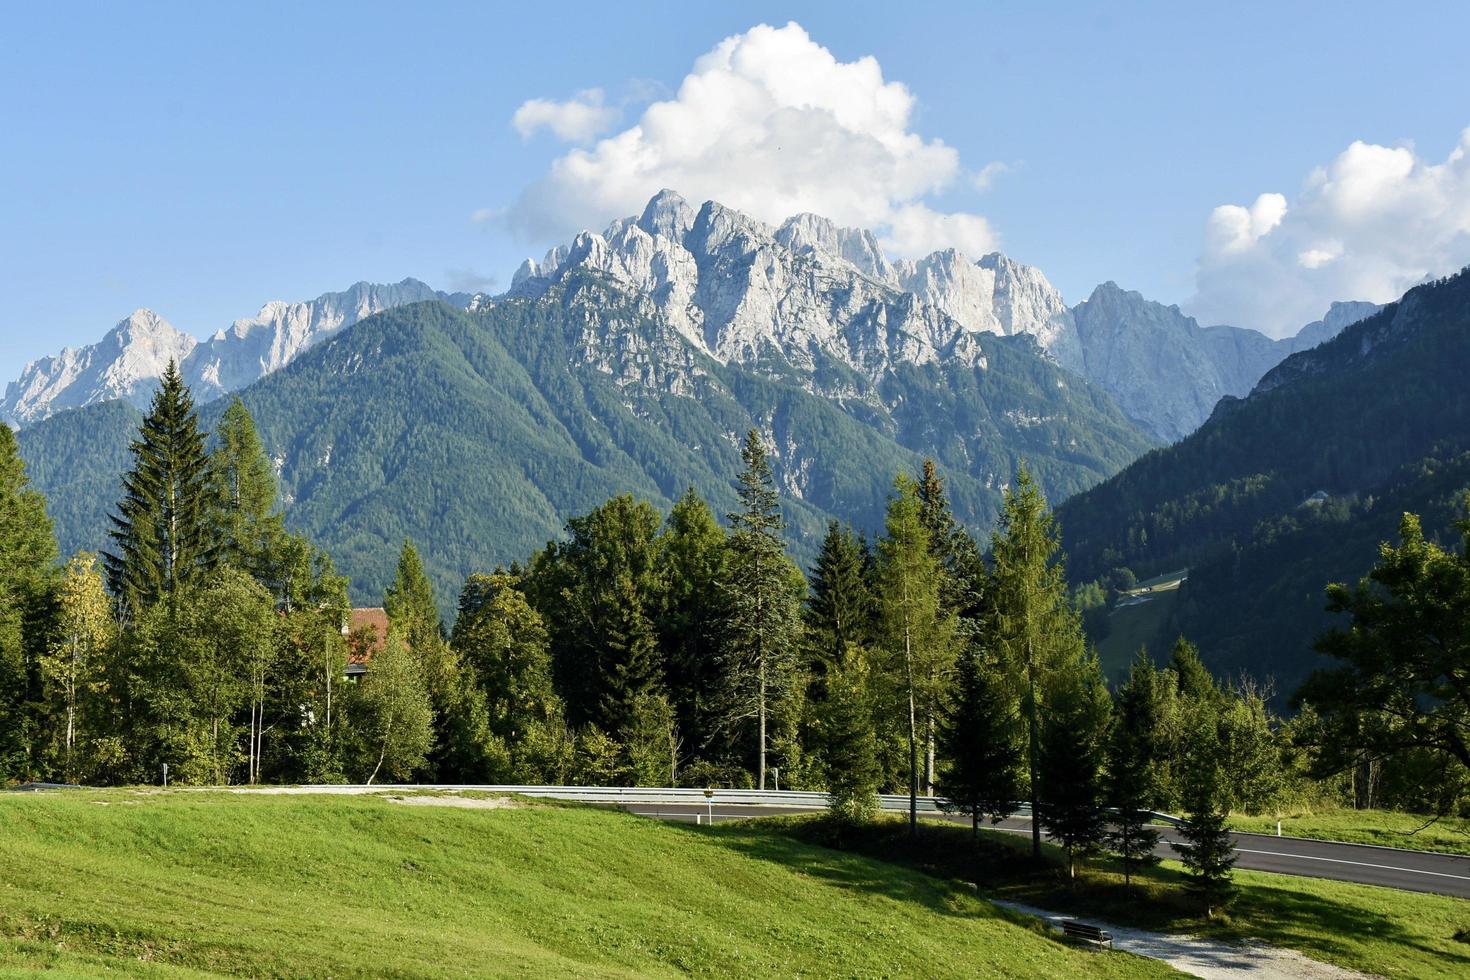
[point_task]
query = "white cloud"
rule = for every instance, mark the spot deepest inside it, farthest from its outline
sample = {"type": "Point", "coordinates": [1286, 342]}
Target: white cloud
{"type": "Point", "coordinates": [769, 122]}
{"type": "Point", "coordinates": [577, 120]}
{"type": "Point", "coordinates": [1369, 225]}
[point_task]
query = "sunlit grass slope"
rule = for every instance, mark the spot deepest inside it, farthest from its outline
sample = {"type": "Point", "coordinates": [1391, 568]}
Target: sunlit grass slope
{"type": "Point", "coordinates": [348, 886]}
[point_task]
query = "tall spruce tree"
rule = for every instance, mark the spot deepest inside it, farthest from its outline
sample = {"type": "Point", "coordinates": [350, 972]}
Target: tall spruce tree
{"type": "Point", "coordinates": [839, 606]}
{"type": "Point", "coordinates": [27, 572]}
{"type": "Point", "coordinates": [918, 634]}
{"type": "Point", "coordinates": [1207, 851]}
{"type": "Point", "coordinates": [849, 749]}
{"type": "Point", "coordinates": [979, 735]}
{"type": "Point", "coordinates": [252, 531]}
{"type": "Point", "coordinates": [693, 565]}
{"type": "Point", "coordinates": [762, 625]}
{"type": "Point", "coordinates": [1074, 733]}
{"type": "Point", "coordinates": [1035, 625]}
{"type": "Point", "coordinates": [1133, 763]}
{"type": "Point", "coordinates": [163, 535]}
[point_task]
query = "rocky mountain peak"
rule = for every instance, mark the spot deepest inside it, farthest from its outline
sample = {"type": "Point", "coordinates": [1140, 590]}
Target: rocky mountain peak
{"type": "Point", "coordinates": [667, 215]}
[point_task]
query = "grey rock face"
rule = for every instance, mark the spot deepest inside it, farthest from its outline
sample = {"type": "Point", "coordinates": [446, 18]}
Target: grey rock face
{"type": "Point", "coordinates": [128, 362]}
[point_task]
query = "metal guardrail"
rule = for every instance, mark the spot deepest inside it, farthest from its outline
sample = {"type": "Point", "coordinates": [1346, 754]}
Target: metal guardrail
{"type": "Point", "coordinates": [657, 795]}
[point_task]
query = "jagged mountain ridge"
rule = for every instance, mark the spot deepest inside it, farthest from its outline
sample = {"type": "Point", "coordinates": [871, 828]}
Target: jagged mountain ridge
{"type": "Point", "coordinates": [479, 433]}
{"type": "Point", "coordinates": [127, 363]}
{"type": "Point", "coordinates": [742, 290]}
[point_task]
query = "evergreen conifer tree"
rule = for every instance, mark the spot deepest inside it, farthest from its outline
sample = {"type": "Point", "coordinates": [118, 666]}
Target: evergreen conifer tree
{"type": "Point", "coordinates": [849, 747]}
{"type": "Point", "coordinates": [244, 488]}
{"type": "Point", "coordinates": [979, 735]}
{"type": "Point", "coordinates": [693, 565]}
{"type": "Point", "coordinates": [1133, 759]}
{"type": "Point", "coordinates": [839, 607]}
{"type": "Point", "coordinates": [1073, 745]}
{"type": "Point", "coordinates": [1035, 626]}
{"type": "Point", "coordinates": [1207, 851]}
{"type": "Point", "coordinates": [163, 534]}
{"type": "Point", "coordinates": [918, 634]}
{"type": "Point", "coordinates": [762, 625]}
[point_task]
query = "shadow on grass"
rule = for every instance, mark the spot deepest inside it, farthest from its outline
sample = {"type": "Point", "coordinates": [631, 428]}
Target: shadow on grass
{"type": "Point", "coordinates": [1280, 913]}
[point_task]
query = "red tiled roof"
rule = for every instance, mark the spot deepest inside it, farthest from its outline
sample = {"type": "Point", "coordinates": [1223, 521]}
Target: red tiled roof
{"type": "Point", "coordinates": [362, 624]}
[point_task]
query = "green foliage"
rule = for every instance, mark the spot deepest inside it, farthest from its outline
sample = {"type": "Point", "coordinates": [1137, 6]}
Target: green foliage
{"type": "Point", "coordinates": [1036, 630]}
{"type": "Point", "coordinates": [392, 715]}
{"type": "Point", "coordinates": [916, 632]}
{"type": "Point", "coordinates": [1070, 756]}
{"type": "Point", "coordinates": [651, 741]}
{"type": "Point", "coordinates": [1378, 419]}
{"type": "Point", "coordinates": [693, 564]}
{"type": "Point", "coordinates": [163, 536]}
{"type": "Point", "coordinates": [979, 734]}
{"type": "Point", "coordinates": [1208, 852]}
{"type": "Point", "coordinates": [763, 606]}
{"type": "Point", "coordinates": [1132, 785]}
{"type": "Point", "coordinates": [1400, 685]}
{"type": "Point", "coordinates": [27, 556]}
{"type": "Point", "coordinates": [251, 531]}
{"type": "Point", "coordinates": [849, 748]}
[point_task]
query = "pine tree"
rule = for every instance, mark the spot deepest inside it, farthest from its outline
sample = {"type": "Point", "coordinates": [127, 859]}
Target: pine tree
{"type": "Point", "coordinates": [979, 734]}
{"type": "Point", "coordinates": [1207, 852]}
{"type": "Point", "coordinates": [1035, 625]}
{"type": "Point", "coordinates": [632, 663]}
{"type": "Point", "coordinates": [74, 668]}
{"type": "Point", "coordinates": [1073, 742]}
{"type": "Point", "coordinates": [163, 535]}
{"type": "Point", "coordinates": [849, 746]}
{"type": "Point", "coordinates": [762, 625]}
{"type": "Point", "coordinates": [1191, 674]}
{"type": "Point", "coordinates": [919, 636]}
{"type": "Point", "coordinates": [1133, 760]}
{"type": "Point", "coordinates": [651, 741]}
{"type": "Point", "coordinates": [27, 561]}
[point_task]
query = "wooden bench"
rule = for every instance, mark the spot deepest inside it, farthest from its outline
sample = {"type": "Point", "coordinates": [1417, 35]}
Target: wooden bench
{"type": "Point", "coordinates": [1088, 934]}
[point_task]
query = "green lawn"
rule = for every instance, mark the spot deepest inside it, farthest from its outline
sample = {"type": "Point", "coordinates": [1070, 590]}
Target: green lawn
{"type": "Point", "coordinates": [1377, 930]}
{"type": "Point", "coordinates": [1386, 828]}
{"type": "Point", "coordinates": [183, 883]}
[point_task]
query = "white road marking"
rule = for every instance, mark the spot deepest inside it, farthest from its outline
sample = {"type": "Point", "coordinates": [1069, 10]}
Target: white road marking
{"type": "Point", "coordinates": [1360, 864]}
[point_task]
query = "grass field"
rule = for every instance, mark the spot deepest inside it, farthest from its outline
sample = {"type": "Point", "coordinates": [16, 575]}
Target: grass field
{"type": "Point", "coordinates": [1137, 622]}
{"type": "Point", "coordinates": [185, 883]}
{"type": "Point", "coordinates": [1376, 930]}
{"type": "Point", "coordinates": [1450, 834]}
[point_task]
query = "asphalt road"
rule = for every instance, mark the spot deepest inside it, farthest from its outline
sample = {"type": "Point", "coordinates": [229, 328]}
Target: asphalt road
{"type": "Point", "coordinates": [1417, 871]}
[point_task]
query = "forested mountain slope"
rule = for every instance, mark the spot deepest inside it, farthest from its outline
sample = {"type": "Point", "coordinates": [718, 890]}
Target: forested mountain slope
{"type": "Point", "coordinates": [1291, 487]}
{"type": "Point", "coordinates": [478, 434]}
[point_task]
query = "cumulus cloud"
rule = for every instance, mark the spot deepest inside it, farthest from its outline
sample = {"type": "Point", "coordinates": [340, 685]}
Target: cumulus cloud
{"type": "Point", "coordinates": [576, 120]}
{"type": "Point", "coordinates": [1368, 225]}
{"type": "Point", "coordinates": [769, 122]}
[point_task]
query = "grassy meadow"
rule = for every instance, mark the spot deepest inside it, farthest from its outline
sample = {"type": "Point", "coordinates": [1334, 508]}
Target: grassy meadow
{"type": "Point", "coordinates": [195, 883]}
{"type": "Point", "coordinates": [1450, 835]}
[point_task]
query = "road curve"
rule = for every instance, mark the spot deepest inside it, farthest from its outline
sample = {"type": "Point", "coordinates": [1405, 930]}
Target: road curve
{"type": "Point", "coordinates": [1417, 871]}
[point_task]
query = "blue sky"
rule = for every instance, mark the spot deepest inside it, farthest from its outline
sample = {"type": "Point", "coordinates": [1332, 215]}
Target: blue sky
{"type": "Point", "coordinates": [202, 161]}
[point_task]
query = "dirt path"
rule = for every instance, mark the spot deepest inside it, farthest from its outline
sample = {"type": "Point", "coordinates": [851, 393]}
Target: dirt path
{"type": "Point", "coordinates": [1213, 959]}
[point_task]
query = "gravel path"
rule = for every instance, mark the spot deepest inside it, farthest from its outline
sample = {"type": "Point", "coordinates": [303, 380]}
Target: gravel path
{"type": "Point", "coordinates": [1213, 959]}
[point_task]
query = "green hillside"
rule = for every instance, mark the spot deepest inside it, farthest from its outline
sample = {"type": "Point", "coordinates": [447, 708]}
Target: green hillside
{"type": "Point", "coordinates": [188, 884]}
{"type": "Point", "coordinates": [479, 434]}
{"type": "Point", "coordinates": [1294, 486]}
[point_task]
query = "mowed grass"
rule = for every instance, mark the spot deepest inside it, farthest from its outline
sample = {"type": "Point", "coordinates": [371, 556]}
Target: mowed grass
{"type": "Point", "coordinates": [1450, 835]}
{"type": "Point", "coordinates": [1380, 931]}
{"type": "Point", "coordinates": [186, 883]}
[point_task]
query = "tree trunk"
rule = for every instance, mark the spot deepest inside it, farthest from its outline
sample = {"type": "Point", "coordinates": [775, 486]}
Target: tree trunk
{"type": "Point", "coordinates": [908, 663]}
{"type": "Point", "coordinates": [761, 709]}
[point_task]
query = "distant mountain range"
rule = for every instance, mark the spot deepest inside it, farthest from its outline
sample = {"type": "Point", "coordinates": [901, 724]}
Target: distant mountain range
{"type": "Point", "coordinates": [128, 361]}
{"type": "Point", "coordinates": [741, 291]}
{"type": "Point", "coordinates": [1292, 487]}
{"type": "Point", "coordinates": [479, 430]}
